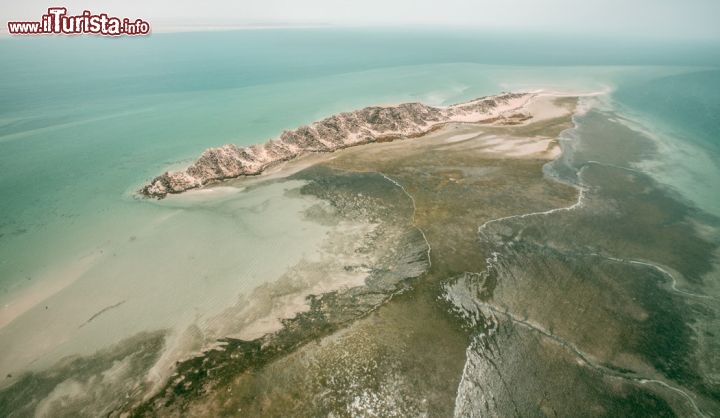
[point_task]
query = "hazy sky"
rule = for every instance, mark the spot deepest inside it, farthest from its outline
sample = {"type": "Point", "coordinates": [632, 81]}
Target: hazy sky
{"type": "Point", "coordinates": [652, 18]}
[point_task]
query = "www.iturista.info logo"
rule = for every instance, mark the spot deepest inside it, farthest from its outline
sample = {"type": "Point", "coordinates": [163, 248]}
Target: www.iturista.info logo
{"type": "Point", "coordinates": [56, 21]}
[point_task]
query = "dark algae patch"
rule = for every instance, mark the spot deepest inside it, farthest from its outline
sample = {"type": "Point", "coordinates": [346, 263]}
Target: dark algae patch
{"type": "Point", "coordinates": [71, 388]}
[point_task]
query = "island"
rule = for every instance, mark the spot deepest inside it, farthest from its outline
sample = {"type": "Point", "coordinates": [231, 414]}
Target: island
{"type": "Point", "coordinates": [343, 130]}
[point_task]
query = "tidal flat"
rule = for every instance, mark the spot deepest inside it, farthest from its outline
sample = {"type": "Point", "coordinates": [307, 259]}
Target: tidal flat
{"type": "Point", "coordinates": [407, 356]}
{"type": "Point", "coordinates": [507, 270]}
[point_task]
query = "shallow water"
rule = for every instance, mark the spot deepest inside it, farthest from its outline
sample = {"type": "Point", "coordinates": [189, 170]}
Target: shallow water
{"type": "Point", "coordinates": [169, 274]}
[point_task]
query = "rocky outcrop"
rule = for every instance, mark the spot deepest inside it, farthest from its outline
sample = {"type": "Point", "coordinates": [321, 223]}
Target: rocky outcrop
{"type": "Point", "coordinates": [342, 130]}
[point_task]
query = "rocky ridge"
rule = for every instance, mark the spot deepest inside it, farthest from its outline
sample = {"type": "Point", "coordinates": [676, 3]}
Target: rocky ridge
{"type": "Point", "coordinates": [342, 130]}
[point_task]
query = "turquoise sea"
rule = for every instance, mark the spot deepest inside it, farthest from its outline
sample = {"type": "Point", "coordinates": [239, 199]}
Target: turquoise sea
{"type": "Point", "coordinates": [85, 121]}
